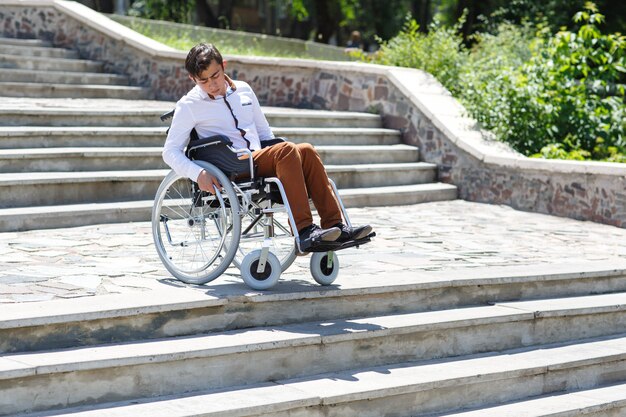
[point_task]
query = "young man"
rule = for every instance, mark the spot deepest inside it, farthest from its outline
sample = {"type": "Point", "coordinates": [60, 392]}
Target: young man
{"type": "Point", "coordinates": [218, 105]}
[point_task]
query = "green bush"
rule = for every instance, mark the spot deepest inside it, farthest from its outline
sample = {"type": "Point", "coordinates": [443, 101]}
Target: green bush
{"type": "Point", "coordinates": [439, 52]}
{"type": "Point", "coordinates": [549, 95]}
{"type": "Point", "coordinates": [573, 83]}
{"type": "Point", "coordinates": [487, 81]}
{"type": "Point", "coordinates": [170, 10]}
{"type": "Point", "coordinates": [556, 151]}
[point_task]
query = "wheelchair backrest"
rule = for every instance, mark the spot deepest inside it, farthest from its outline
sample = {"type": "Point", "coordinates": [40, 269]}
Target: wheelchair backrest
{"type": "Point", "coordinates": [216, 150]}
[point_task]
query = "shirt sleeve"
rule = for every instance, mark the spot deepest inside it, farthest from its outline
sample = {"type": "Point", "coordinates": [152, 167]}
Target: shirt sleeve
{"type": "Point", "coordinates": [262, 126]}
{"type": "Point", "coordinates": [176, 142]}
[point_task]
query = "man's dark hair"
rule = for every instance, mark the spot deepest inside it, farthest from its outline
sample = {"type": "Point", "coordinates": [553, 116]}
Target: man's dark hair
{"type": "Point", "coordinates": [200, 57]}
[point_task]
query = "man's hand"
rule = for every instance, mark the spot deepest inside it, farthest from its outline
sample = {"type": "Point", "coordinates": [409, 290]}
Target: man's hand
{"type": "Point", "coordinates": [207, 182]}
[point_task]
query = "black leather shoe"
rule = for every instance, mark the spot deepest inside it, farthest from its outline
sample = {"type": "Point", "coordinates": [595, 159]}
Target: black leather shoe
{"type": "Point", "coordinates": [313, 234]}
{"type": "Point", "coordinates": [352, 233]}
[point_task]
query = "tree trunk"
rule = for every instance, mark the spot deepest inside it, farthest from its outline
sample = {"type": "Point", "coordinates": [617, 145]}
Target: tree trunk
{"type": "Point", "coordinates": [204, 14]}
{"type": "Point", "coordinates": [225, 14]}
{"type": "Point", "coordinates": [420, 9]}
{"type": "Point", "coordinates": [325, 22]}
{"type": "Point", "coordinates": [471, 15]}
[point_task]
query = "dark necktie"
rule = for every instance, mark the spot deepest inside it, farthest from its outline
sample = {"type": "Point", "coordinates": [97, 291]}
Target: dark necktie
{"type": "Point", "coordinates": [243, 132]}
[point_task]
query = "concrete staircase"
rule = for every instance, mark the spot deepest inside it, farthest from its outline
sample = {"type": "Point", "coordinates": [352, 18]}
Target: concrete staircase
{"type": "Point", "coordinates": [528, 342]}
{"type": "Point", "coordinates": [33, 68]}
{"type": "Point", "coordinates": [76, 161]}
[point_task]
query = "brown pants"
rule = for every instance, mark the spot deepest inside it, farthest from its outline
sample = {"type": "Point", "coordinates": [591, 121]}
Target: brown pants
{"type": "Point", "coordinates": [301, 171]}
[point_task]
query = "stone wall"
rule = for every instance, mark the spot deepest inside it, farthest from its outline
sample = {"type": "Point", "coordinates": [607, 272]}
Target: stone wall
{"type": "Point", "coordinates": [410, 100]}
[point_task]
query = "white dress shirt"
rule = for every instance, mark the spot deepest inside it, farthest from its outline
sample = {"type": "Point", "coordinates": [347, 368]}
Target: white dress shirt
{"type": "Point", "coordinates": [212, 117]}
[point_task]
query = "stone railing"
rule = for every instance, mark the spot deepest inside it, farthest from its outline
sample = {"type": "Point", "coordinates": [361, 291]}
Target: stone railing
{"type": "Point", "coordinates": [409, 100]}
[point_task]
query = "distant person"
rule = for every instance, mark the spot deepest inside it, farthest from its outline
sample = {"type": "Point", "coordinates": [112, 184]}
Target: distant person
{"type": "Point", "coordinates": [355, 41]}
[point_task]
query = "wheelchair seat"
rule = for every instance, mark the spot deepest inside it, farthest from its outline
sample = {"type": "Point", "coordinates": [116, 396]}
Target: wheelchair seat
{"type": "Point", "coordinates": [217, 150]}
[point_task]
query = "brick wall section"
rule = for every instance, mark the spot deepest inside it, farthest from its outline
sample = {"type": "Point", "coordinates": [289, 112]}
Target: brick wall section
{"type": "Point", "coordinates": [408, 100]}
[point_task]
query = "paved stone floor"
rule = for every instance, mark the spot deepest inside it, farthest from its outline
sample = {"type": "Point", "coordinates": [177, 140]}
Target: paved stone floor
{"type": "Point", "coordinates": [444, 236]}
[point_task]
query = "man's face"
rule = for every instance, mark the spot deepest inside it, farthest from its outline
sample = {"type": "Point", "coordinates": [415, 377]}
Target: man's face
{"type": "Point", "coordinates": [212, 80]}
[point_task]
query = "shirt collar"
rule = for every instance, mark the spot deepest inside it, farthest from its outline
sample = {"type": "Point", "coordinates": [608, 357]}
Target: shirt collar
{"type": "Point", "coordinates": [230, 88]}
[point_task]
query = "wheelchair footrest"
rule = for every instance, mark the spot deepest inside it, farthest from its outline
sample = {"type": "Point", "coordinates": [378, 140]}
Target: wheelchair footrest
{"type": "Point", "coordinates": [335, 246]}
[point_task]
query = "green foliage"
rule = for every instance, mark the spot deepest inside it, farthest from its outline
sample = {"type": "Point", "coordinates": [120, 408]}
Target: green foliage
{"type": "Point", "coordinates": [573, 81]}
{"type": "Point", "coordinates": [171, 10]}
{"type": "Point", "coordinates": [552, 13]}
{"type": "Point", "coordinates": [557, 151]}
{"type": "Point", "coordinates": [439, 52]}
{"type": "Point", "coordinates": [374, 18]}
{"type": "Point", "coordinates": [550, 95]}
{"type": "Point", "coordinates": [488, 76]}
{"type": "Point", "coordinates": [299, 10]}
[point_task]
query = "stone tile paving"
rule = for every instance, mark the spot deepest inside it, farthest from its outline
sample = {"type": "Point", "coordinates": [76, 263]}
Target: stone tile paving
{"type": "Point", "coordinates": [120, 258]}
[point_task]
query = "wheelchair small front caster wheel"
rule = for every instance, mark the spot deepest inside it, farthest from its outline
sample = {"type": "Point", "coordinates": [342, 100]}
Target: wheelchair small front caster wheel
{"type": "Point", "coordinates": [260, 280]}
{"type": "Point", "coordinates": [323, 269]}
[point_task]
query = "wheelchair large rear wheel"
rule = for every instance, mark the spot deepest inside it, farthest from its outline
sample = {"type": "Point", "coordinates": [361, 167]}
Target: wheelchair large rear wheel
{"type": "Point", "coordinates": [196, 236]}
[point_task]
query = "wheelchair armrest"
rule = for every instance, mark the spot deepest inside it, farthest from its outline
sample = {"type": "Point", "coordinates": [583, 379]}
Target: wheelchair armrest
{"type": "Point", "coordinates": [270, 142]}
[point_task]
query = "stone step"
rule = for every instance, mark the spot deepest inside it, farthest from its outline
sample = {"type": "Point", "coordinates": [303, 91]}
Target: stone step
{"type": "Point", "coordinates": [57, 137]}
{"type": "Point", "coordinates": [600, 402]}
{"type": "Point", "coordinates": [21, 89]}
{"type": "Point", "coordinates": [49, 64]}
{"type": "Point", "coordinates": [37, 217]}
{"type": "Point", "coordinates": [25, 42]}
{"type": "Point", "coordinates": [230, 306]}
{"type": "Point", "coordinates": [61, 77]}
{"type": "Point", "coordinates": [398, 195]}
{"type": "Point", "coordinates": [55, 188]}
{"type": "Point", "coordinates": [130, 114]}
{"type": "Point", "coordinates": [98, 159]}
{"type": "Point", "coordinates": [286, 117]}
{"type": "Point", "coordinates": [607, 401]}
{"type": "Point", "coordinates": [16, 137]}
{"type": "Point", "coordinates": [354, 365]}
{"type": "Point", "coordinates": [80, 159]}
{"type": "Point", "coordinates": [346, 136]}
{"type": "Point", "coordinates": [48, 217]}
{"type": "Point", "coordinates": [438, 386]}
{"type": "Point", "coordinates": [37, 51]}
{"type": "Point", "coordinates": [382, 175]}
{"type": "Point", "coordinates": [45, 189]}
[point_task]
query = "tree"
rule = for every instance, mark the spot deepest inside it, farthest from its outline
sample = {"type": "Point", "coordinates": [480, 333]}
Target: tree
{"type": "Point", "coordinates": [214, 14]}
{"type": "Point", "coordinates": [421, 10]}
{"type": "Point", "coordinates": [326, 18]}
{"type": "Point", "coordinates": [171, 10]}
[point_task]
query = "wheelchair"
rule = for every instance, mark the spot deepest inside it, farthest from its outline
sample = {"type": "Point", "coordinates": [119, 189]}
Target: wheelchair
{"type": "Point", "coordinates": [247, 223]}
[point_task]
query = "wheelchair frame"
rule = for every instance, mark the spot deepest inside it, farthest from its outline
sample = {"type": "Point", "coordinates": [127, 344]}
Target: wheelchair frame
{"type": "Point", "coordinates": [216, 219]}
